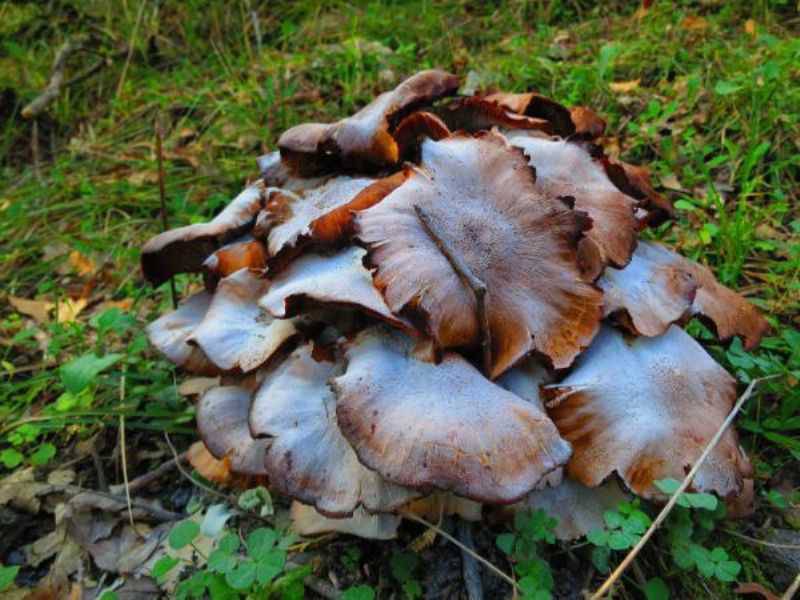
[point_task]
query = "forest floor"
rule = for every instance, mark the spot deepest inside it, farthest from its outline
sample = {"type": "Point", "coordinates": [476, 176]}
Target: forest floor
{"type": "Point", "coordinates": [705, 93]}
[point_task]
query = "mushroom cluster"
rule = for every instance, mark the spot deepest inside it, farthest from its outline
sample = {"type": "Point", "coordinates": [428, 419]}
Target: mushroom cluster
{"type": "Point", "coordinates": [441, 302]}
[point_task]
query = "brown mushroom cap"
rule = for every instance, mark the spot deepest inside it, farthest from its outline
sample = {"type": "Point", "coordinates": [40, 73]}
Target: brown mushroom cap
{"type": "Point", "coordinates": [475, 113]}
{"type": "Point", "coordinates": [293, 214]}
{"type": "Point", "coordinates": [222, 421]}
{"type": "Point", "coordinates": [575, 122]}
{"type": "Point", "coordinates": [441, 426]}
{"type": "Point", "coordinates": [480, 200]}
{"type": "Point", "coordinates": [647, 408]}
{"type": "Point", "coordinates": [309, 459]}
{"type": "Point", "coordinates": [236, 333]}
{"type": "Point", "coordinates": [183, 250]}
{"type": "Point", "coordinates": [363, 140]}
{"type": "Point", "coordinates": [244, 253]}
{"type": "Point", "coordinates": [566, 170]}
{"type": "Point", "coordinates": [658, 288]}
{"type": "Point", "coordinates": [578, 508]}
{"type": "Point", "coordinates": [339, 279]}
{"type": "Point", "coordinates": [653, 291]}
{"type": "Point", "coordinates": [170, 334]}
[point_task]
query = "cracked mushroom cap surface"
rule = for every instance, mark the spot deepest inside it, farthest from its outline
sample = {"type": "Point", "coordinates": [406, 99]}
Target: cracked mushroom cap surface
{"type": "Point", "coordinates": [309, 459]}
{"type": "Point", "coordinates": [646, 408]}
{"type": "Point", "coordinates": [441, 426]}
{"type": "Point", "coordinates": [483, 214]}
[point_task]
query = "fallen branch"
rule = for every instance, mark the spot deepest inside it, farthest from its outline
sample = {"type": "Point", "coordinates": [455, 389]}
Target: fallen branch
{"type": "Point", "coordinates": [53, 89]}
{"type": "Point", "coordinates": [152, 476]}
{"type": "Point", "coordinates": [674, 499]}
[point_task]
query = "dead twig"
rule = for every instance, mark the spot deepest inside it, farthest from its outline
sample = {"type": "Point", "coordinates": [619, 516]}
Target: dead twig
{"type": "Point", "coordinates": [53, 89]}
{"type": "Point", "coordinates": [464, 273]}
{"type": "Point", "coordinates": [609, 582]}
{"type": "Point", "coordinates": [144, 480]}
{"type": "Point", "coordinates": [507, 578]}
{"type": "Point", "coordinates": [792, 589]}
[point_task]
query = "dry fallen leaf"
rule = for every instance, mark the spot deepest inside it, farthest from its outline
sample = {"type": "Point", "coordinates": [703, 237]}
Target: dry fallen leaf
{"type": "Point", "coordinates": [68, 309]}
{"type": "Point", "coordinates": [38, 310]}
{"type": "Point", "coordinates": [694, 23]}
{"type": "Point", "coordinates": [82, 265]}
{"type": "Point", "coordinates": [622, 87]}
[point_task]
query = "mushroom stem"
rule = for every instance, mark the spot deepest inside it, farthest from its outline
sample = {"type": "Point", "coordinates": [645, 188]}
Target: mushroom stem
{"type": "Point", "coordinates": [463, 271]}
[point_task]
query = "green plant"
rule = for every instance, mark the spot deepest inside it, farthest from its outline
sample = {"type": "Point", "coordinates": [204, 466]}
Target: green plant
{"type": "Point", "coordinates": [623, 529]}
{"type": "Point", "coordinates": [403, 565]}
{"type": "Point", "coordinates": [255, 568]}
{"type": "Point", "coordinates": [532, 530]}
{"type": "Point", "coordinates": [689, 526]}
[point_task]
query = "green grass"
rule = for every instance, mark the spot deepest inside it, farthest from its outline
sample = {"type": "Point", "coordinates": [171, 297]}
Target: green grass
{"type": "Point", "coordinates": [714, 113]}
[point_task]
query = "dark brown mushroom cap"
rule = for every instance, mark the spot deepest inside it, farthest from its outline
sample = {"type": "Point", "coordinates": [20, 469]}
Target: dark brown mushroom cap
{"type": "Point", "coordinates": [657, 289]}
{"type": "Point", "coordinates": [183, 250]}
{"type": "Point", "coordinates": [170, 334]}
{"type": "Point", "coordinates": [236, 333]}
{"type": "Point", "coordinates": [441, 426]}
{"type": "Point", "coordinates": [364, 140]}
{"type": "Point", "coordinates": [575, 122]}
{"type": "Point", "coordinates": [652, 292]}
{"type": "Point", "coordinates": [309, 459]}
{"type": "Point", "coordinates": [647, 408]}
{"type": "Point", "coordinates": [475, 113]}
{"type": "Point", "coordinates": [480, 200]}
{"type": "Point", "coordinates": [339, 279]}
{"type": "Point", "coordinates": [244, 253]}
{"type": "Point", "coordinates": [634, 180]}
{"type": "Point", "coordinates": [566, 170]}
{"type": "Point", "coordinates": [222, 421]}
{"type": "Point", "coordinates": [578, 508]}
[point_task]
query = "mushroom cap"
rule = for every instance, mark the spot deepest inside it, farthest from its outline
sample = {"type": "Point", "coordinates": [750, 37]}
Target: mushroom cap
{"type": "Point", "coordinates": [653, 290]}
{"type": "Point", "coordinates": [578, 508]}
{"type": "Point", "coordinates": [222, 421]}
{"type": "Point", "coordinates": [660, 286]}
{"type": "Point", "coordinates": [244, 253]}
{"type": "Point", "coordinates": [646, 408]}
{"type": "Point", "coordinates": [308, 521]}
{"type": "Point", "coordinates": [482, 204]}
{"type": "Point", "coordinates": [235, 332]}
{"type": "Point", "coordinates": [183, 250]}
{"type": "Point", "coordinates": [475, 113]}
{"type": "Point", "coordinates": [565, 169]}
{"type": "Point", "coordinates": [170, 334]}
{"type": "Point", "coordinates": [441, 426]}
{"type": "Point", "coordinates": [579, 121]}
{"type": "Point", "coordinates": [309, 459]}
{"type": "Point", "coordinates": [339, 279]}
{"type": "Point", "coordinates": [364, 140]}
{"type": "Point", "coordinates": [292, 214]}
